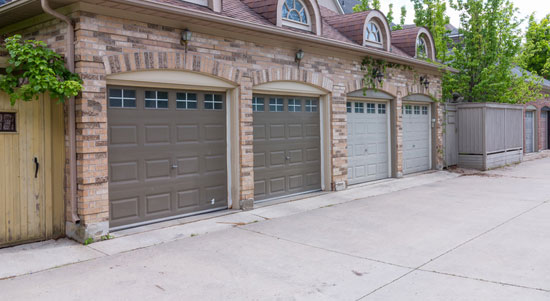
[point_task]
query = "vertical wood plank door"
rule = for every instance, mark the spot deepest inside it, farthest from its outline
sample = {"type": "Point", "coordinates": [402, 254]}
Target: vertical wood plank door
{"type": "Point", "coordinates": [31, 186]}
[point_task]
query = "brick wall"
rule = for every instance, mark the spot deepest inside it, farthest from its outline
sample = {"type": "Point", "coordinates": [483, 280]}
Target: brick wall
{"type": "Point", "coordinates": [107, 45]}
{"type": "Point", "coordinates": [541, 133]}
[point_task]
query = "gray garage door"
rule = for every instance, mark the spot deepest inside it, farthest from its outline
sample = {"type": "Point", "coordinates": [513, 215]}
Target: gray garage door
{"type": "Point", "coordinates": [416, 138]}
{"type": "Point", "coordinates": [167, 154]}
{"type": "Point", "coordinates": [287, 154]}
{"type": "Point", "coordinates": [368, 155]}
{"type": "Point", "coordinates": [529, 131]}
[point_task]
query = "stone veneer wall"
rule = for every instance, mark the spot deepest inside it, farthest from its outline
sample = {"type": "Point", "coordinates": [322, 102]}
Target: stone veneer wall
{"type": "Point", "coordinates": [107, 45]}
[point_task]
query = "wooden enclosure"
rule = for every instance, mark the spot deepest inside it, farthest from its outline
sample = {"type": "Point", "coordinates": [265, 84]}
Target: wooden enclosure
{"type": "Point", "coordinates": [489, 135]}
{"type": "Point", "coordinates": [31, 170]}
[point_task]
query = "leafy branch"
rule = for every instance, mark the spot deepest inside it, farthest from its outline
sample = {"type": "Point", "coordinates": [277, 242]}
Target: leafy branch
{"type": "Point", "coordinates": [34, 69]}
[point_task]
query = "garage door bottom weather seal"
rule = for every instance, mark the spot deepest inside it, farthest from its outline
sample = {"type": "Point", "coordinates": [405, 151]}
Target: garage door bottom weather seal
{"type": "Point", "coordinates": [287, 196]}
{"type": "Point", "coordinates": [164, 219]}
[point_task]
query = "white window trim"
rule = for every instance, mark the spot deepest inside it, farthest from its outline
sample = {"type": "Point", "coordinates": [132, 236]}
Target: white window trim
{"type": "Point", "coordinates": [296, 24]}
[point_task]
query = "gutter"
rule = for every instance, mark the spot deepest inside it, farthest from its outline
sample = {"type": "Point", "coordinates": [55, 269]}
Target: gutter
{"type": "Point", "coordinates": [69, 55]}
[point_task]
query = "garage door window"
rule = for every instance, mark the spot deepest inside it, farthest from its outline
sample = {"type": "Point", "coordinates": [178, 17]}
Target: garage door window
{"type": "Point", "coordinates": [122, 98]}
{"type": "Point", "coordinates": [156, 99]}
{"type": "Point", "coordinates": [294, 105]}
{"type": "Point", "coordinates": [408, 109]}
{"type": "Point", "coordinates": [258, 104]}
{"type": "Point", "coordinates": [311, 105]}
{"type": "Point", "coordinates": [416, 110]}
{"type": "Point", "coordinates": [381, 108]}
{"type": "Point", "coordinates": [359, 107]}
{"type": "Point", "coordinates": [186, 101]}
{"type": "Point", "coordinates": [213, 102]}
{"type": "Point", "coordinates": [276, 105]}
{"type": "Point", "coordinates": [348, 107]}
{"type": "Point", "coordinates": [424, 110]}
{"type": "Point", "coordinates": [371, 108]}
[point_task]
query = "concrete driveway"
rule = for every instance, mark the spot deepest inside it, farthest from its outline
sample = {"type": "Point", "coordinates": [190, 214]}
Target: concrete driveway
{"type": "Point", "coordinates": [447, 237]}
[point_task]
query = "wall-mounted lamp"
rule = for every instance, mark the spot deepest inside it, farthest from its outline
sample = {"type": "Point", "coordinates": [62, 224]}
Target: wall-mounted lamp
{"type": "Point", "coordinates": [299, 56]}
{"type": "Point", "coordinates": [378, 74]}
{"type": "Point", "coordinates": [186, 38]}
{"type": "Point", "coordinates": [424, 81]}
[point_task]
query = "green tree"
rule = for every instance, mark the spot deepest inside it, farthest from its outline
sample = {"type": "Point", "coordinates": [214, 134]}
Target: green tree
{"type": "Point", "coordinates": [366, 5]}
{"type": "Point", "coordinates": [432, 14]}
{"type": "Point", "coordinates": [363, 6]}
{"type": "Point", "coordinates": [535, 56]}
{"type": "Point", "coordinates": [389, 15]}
{"type": "Point", "coordinates": [486, 55]}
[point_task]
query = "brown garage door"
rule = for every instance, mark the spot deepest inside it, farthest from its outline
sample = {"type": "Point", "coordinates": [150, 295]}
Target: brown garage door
{"type": "Point", "coordinates": [167, 154]}
{"type": "Point", "coordinates": [287, 155]}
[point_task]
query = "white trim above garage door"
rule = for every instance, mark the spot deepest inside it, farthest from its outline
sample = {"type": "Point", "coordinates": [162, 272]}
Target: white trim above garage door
{"type": "Point", "coordinates": [170, 79]}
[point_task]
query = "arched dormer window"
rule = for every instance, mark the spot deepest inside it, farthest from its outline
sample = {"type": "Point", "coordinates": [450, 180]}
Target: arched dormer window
{"type": "Point", "coordinates": [373, 33]}
{"type": "Point", "coordinates": [376, 30]}
{"type": "Point", "coordinates": [295, 14]}
{"type": "Point", "coordinates": [424, 45]}
{"type": "Point", "coordinates": [421, 48]}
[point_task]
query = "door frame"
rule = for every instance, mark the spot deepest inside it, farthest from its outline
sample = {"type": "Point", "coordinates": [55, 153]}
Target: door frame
{"type": "Point", "coordinates": [293, 88]}
{"type": "Point", "coordinates": [188, 80]}
{"type": "Point", "coordinates": [389, 111]}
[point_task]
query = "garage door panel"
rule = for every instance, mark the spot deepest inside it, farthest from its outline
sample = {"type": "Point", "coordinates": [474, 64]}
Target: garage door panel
{"type": "Point", "coordinates": [295, 130]}
{"type": "Point", "coordinates": [125, 208]}
{"type": "Point", "coordinates": [416, 138]}
{"type": "Point", "coordinates": [295, 181]}
{"type": "Point", "coordinates": [158, 203]}
{"type": "Point", "coordinates": [188, 166]}
{"type": "Point", "coordinates": [124, 172]}
{"type": "Point", "coordinates": [123, 135]}
{"type": "Point", "coordinates": [188, 198]}
{"type": "Point", "coordinates": [157, 169]}
{"type": "Point", "coordinates": [288, 152]}
{"type": "Point", "coordinates": [179, 157]}
{"type": "Point", "coordinates": [368, 153]}
{"type": "Point", "coordinates": [187, 133]}
{"type": "Point", "coordinates": [277, 185]}
{"type": "Point", "coordinates": [276, 159]}
{"type": "Point", "coordinates": [277, 131]}
{"type": "Point", "coordinates": [157, 134]}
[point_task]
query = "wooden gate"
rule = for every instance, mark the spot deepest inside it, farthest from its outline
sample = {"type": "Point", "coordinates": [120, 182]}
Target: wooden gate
{"type": "Point", "coordinates": [31, 170]}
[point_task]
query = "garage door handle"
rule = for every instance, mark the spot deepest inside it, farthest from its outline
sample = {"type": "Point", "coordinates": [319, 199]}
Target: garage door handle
{"type": "Point", "coordinates": [174, 166]}
{"type": "Point", "coordinates": [287, 157]}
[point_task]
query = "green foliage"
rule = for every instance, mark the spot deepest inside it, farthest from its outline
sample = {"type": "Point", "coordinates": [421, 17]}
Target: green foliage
{"type": "Point", "coordinates": [486, 55]}
{"type": "Point", "coordinates": [363, 6]}
{"type": "Point", "coordinates": [34, 69]}
{"type": "Point", "coordinates": [432, 15]}
{"type": "Point", "coordinates": [376, 4]}
{"type": "Point", "coordinates": [389, 15]}
{"type": "Point", "coordinates": [403, 16]}
{"type": "Point", "coordinates": [370, 65]}
{"type": "Point", "coordinates": [88, 241]}
{"type": "Point", "coordinates": [535, 56]}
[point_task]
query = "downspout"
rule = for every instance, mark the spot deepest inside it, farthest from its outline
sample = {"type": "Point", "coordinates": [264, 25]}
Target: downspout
{"type": "Point", "coordinates": [69, 55]}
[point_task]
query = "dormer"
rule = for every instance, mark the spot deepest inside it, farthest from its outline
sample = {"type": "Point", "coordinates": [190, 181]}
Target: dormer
{"type": "Point", "coordinates": [416, 42]}
{"type": "Point", "coordinates": [296, 14]}
{"type": "Point", "coordinates": [368, 28]}
{"type": "Point", "coordinates": [214, 5]}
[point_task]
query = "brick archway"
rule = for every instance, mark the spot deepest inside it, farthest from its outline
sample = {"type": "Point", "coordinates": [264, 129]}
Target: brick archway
{"type": "Point", "coordinates": [292, 74]}
{"type": "Point", "coordinates": [142, 61]}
